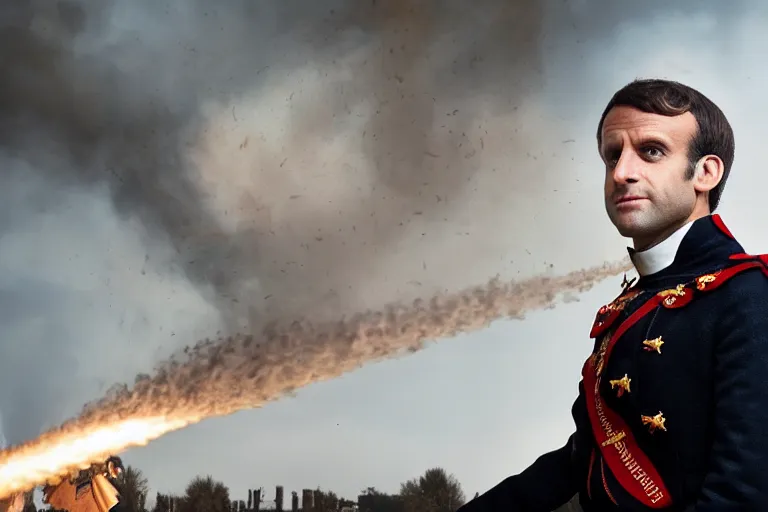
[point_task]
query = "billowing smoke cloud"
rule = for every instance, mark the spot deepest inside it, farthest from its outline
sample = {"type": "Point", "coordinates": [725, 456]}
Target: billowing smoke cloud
{"type": "Point", "coordinates": [181, 167]}
{"type": "Point", "coordinates": [173, 169]}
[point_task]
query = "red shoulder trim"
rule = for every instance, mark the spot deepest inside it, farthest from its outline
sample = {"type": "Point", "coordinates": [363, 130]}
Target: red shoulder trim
{"type": "Point", "coordinates": [722, 227]}
{"type": "Point", "coordinates": [607, 314]}
{"type": "Point", "coordinates": [682, 294]}
{"type": "Point", "coordinates": [750, 261]}
{"type": "Point", "coordinates": [676, 297]}
{"type": "Point", "coordinates": [762, 258]}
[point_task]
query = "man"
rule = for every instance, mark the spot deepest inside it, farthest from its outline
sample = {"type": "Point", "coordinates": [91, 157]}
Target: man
{"type": "Point", "coordinates": [672, 411]}
{"type": "Point", "coordinates": [95, 489]}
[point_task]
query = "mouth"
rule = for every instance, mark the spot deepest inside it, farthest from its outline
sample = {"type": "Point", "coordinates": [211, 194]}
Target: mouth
{"type": "Point", "coordinates": [629, 200]}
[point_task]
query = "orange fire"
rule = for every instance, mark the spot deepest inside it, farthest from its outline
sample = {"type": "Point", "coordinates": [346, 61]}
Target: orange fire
{"type": "Point", "coordinates": [48, 461]}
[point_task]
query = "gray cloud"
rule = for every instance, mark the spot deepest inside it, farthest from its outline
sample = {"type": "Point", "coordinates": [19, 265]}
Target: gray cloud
{"type": "Point", "coordinates": [104, 103]}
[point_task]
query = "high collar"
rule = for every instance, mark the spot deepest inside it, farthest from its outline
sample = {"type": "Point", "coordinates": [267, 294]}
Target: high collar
{"type": "Point", "coordinates": [705, 246]}
{"type": "Point", "coordinates": [661, 255]}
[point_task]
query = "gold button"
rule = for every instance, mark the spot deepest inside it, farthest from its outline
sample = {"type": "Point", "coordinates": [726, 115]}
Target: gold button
{"type": "Point", "coordinates": [654, 344]}
{"type": "Point", "coordinates": [655, 422]}
{"type": "Point", "coordinates": [622, 383]}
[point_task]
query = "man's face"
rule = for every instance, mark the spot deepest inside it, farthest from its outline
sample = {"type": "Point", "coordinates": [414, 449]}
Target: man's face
{"type": "Point", "coordinates": [647, 194]}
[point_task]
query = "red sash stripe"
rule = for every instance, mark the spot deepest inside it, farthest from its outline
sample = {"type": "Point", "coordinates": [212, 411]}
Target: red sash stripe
{"type": "Point", "coordinates": [629, 465]}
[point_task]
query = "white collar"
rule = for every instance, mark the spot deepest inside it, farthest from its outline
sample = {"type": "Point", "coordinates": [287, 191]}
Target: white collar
{"type": "Point", "coordinates": [659, 256]}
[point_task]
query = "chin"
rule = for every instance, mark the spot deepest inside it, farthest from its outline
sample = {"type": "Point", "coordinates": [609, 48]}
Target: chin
{"type": "Point", "coordinates": [629, 232]}
{"type": "Point", "coordinates": [630, 227]}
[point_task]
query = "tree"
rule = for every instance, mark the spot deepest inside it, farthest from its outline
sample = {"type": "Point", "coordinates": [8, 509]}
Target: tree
{"type": "Point", "coordinates": [205, 495]}
{"type": "Point", "coordinates": [435, 491]}
{"type": "Point", "coordinates": [166, 503]}
{"type": "Point", "coordinates": [373, 500]}
{"type": "Point", "coordinates": [133, 488]}
{"type": "Point", "coordinates": [326, 501]}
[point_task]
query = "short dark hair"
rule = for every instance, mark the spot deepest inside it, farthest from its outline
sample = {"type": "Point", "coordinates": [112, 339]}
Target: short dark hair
{"type": "Point", "coordinates": [668, 98]}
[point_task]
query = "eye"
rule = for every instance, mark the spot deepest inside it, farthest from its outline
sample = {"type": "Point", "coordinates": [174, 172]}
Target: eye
{"type": "Point", "coordinates": [652, 152]}
{"type": "Point", "coordinates": [612, 158]}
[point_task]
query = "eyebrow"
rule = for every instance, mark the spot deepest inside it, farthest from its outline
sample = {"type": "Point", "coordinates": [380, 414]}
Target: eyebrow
{"type": "Point", "coordinates": [609, 147]}
{"type": "Point", "coordinates": [656, 139]}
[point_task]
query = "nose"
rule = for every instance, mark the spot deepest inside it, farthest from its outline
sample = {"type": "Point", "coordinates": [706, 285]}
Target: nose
{"type": "Point", "coordinates": [627, 168]}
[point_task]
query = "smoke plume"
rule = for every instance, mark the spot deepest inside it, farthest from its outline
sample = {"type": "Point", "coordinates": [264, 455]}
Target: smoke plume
{"type": "Point", "coordinates": [218, 377]}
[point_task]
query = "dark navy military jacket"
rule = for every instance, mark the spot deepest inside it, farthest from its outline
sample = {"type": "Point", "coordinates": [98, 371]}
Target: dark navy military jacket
{"type": "Point", "coordinates": [686, 385]}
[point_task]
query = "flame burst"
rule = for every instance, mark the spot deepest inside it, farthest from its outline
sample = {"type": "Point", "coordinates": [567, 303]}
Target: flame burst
{"type": "Point", "coordinates": [220, 377]}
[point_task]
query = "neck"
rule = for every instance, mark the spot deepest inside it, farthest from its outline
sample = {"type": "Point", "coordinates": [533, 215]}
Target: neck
{"type": "Point", "coordinates": [645, 243]}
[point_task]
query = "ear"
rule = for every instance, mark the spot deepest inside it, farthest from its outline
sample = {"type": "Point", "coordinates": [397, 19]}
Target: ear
{"type": "Point", "coordinates": [708, 173]}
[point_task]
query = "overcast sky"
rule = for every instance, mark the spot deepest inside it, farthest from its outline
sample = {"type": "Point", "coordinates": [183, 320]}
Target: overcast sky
{"type": "Point", "coordinates": [175, 170]}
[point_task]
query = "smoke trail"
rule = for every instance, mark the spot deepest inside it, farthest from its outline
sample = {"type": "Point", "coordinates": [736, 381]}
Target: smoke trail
{"type": "Point", "coordinates": [223, 376]}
